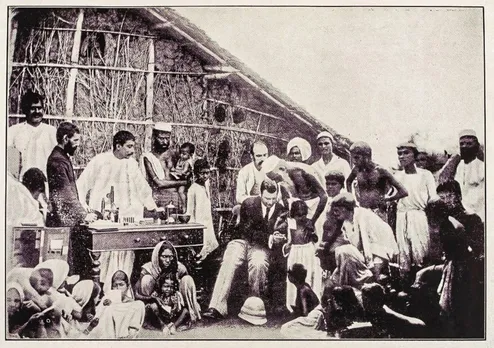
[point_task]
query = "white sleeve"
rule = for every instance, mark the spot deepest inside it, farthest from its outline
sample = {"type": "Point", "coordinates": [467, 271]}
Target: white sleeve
{"type": "Point", "coordinates": [241, 189]}
{"type": "Point", "coordinates": [85, 180]}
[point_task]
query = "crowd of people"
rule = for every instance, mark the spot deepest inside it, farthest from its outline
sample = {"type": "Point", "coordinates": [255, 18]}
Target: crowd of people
{"type": "Point", "coordinates": [360, 252]}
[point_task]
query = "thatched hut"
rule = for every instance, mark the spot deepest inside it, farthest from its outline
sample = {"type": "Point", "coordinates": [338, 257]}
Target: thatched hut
{"type": "Point", "coordinates": [112, 68]}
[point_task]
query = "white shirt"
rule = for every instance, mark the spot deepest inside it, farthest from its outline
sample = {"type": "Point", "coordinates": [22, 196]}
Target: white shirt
{"type": "Point", "coordinates": [34, 143]}
{"type": "Point", "coordinates": [337, 163]}
{"type": "Point", "coordinates": [471, 178]}
{"type": "Point", "coordinates": [131, 190]}
{"type": "Point", "coordinates": [249, 182]}
{"type": "Point", "coordinates": [264, 208]}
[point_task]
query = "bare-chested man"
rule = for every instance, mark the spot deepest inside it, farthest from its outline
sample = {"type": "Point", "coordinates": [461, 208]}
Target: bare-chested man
{"type": "Point", "coordinates": [373, 181]}
{"type": "Point", "coordinates": [157, 164]}
{"type": "Point", "coordinates": [300, 181]}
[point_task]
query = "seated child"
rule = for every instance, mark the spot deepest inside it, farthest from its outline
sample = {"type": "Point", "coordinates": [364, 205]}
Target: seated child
{"type": "Point", "coordinates": [183, 168]}
{"type": "Point", "coordinates": [120, 281]}
{"type": "Point", "coordinates": [168, 311]}
{"type": "Point", "coordinates": [387, 322]}
{"type": "Point", "coordinates": [306, 299]}
{"type": "Point", "coordinates": [300, 248]}
{"type": "Point", "coordinates": [199, 206]}
{"type": "Point", "coordinates": [87, 294]}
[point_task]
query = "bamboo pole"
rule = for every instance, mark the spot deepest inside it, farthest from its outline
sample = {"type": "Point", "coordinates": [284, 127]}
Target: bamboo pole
{"type": "Point", "coordinates": [98, 31]}
{"type": "Point", "coordinates": [13, 37]}
{"type": "Point", "coordinates": [137, 122]}
{"type": "Point", "coordinates": [246, 108]}
{"type": "Point", "coordinates": [101, 67]}
{"type": "Point", "coordinates": [149, 95]}
{"type": "Point", "coordinates": [69, 108]}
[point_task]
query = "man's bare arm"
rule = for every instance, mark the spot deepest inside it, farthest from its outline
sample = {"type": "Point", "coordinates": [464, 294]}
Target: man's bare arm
{"type": "Point", "coordinates": [448, 171]}
{"type": "Point", "coordinates": [401, 191]}
{"type": "Point", "coordinates": [350, 179]}
{"type": "Point", "coordinates": [323, 197]}
{"type": "Point", "coordinates": [161, 183]}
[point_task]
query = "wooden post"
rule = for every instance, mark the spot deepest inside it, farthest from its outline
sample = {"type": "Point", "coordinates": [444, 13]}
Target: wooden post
{"type": "Point", "coordinates": [12, 37]}
{"type": "Point", "coordinates": [149, 96]}
{"type": "Point", "coordinates": [69, 108]}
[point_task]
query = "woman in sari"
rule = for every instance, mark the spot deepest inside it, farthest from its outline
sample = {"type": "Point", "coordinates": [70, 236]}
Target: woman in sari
{"type": "Point", "coordinates": [164, 260]}
{"type": "Point", "coordinates": [115, 316]}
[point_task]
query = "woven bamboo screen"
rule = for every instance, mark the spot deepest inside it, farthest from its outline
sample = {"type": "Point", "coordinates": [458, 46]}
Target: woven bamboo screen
{"type": "Point", "coordinates": [102, 69]}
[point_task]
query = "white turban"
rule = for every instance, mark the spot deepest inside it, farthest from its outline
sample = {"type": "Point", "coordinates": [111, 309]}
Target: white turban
{"type": "Point", "coordinates": [270, 164]}
{"type": "Point", "coordinates": [325, 134]}
{"type": "Point", "coordinates": [163, 127]}
{"type": "Point", "coordinates": [302, 144]}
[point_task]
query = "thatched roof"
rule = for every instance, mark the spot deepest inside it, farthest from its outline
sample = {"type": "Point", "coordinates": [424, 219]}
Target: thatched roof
{"type": "Point", "coordinates": [175, 25]}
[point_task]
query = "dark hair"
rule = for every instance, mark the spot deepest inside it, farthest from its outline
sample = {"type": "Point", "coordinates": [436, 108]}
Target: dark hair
{"type": "Point", "coordinates": [450, 186]}
{"type": "Point", "coordinates": [28, 99]}
{"type": "Point", "coordinates": [361, 148]}
{"type": "Point", "coordinates": [34, 179]}
{"type": "Point", "coordinates": [120, 275]}
{"type": "Point", "coordinates": [200, 164]}
{"type": "Point", "coordinates": [189, 146]}
{"type": "Point", "coordinates": [121, 137]}
{"type": "Point", "coordinates": [298, 272]}
{"type": "Point", "coordinates": [164, 277]}
{"type": "Point", "coordinates": [172, 269]}
{"type": "Point", "coordinates": [269, 185]}
{"type": "Point", "coordinates": [335, 175]}
{"type": "Point", "coordinates": [411, 148]}
{"type": "Point", "coordinates": [44, 273]}
{"type": "Point", "coordinates": [346, 298]}
{"type": "Point", "coordinates": [66, 129]}
{"type": "Point", "coordinates": [299, 208]}
{"type": "Point", "coordinates": [374, 292]}
{"type": "Point", "coordinates": [256, 143]}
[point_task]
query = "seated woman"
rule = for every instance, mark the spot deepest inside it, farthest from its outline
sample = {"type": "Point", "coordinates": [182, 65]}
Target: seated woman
{"type": "Point", "coordinates": [18, 314]}
{"type": "Point", "coordinates": [164, 260]}
{"type": "Point", "coordinates": [117, 315]}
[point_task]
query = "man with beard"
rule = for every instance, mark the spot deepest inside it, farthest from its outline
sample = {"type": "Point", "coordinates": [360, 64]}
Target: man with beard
{"type": "Point", "coordinates": [469, 171]}
{"type": "Point", "coordinates": [250, 177]}
{"type": "Point", "coordinates": [157, 164]}
{"type": "Point", "coordinates": [33, 138]}
{"type": "Point", "coordinates": [67, 210]}
{"type": "Point", "coordinates": [118, 172]}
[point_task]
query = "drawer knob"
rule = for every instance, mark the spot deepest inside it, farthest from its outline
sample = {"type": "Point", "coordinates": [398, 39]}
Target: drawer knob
{"type": "Point", "coordinates": [163, 238]}
{"type": "Point", "coordinates": [186, 236]}
{"type": "Point", "coordinates": [137, 240]}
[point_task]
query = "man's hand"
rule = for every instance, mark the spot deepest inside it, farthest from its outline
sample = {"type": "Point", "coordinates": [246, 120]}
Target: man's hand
{"type": "Point", "coordinates": [31, 305]}
{"type": "Point", "coordinates": [278, 237]}
{"type": "Point", "coordinates": [160, 210]}
{"type": "Point", "coordinates": [91, 217]}
{"type": "Point", "coordinates": [107, 302]}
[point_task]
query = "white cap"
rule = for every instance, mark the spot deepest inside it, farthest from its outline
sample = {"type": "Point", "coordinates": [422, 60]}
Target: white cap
{"type": "Point", "coordinates": [468, 133]}
{"type": "Point", "coordinates": [163, 127]}
{"type": "Point", "coordinates": [325, 134]}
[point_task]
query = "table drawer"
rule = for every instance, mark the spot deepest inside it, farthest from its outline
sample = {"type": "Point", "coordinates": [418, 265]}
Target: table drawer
{"type": "Point", "coordinates": [131, 240]}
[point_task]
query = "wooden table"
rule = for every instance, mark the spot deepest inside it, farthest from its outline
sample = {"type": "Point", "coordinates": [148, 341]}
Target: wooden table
{"type": "Point", "coordinates": [93, 241]}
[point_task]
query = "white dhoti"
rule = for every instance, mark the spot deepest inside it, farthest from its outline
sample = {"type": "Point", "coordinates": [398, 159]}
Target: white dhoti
{"type": "Point", "coordinates": [412, 236]}
{"type": "Point", "coordinates": [305, 255]}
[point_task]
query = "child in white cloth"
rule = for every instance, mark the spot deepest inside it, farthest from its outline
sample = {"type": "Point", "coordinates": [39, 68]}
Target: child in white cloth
{"type": "Point", "coordinates": [300, 248]}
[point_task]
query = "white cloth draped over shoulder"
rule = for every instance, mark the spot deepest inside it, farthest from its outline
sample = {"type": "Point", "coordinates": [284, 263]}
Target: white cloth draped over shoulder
{"type": "Point", "coordinates": [155, 163]}
{"type": "Point", "coordinates": [471, 178]}
{"type": "Point", "coordinates": [337, 163]}
{"type": "Point", "coordinates": [34, 143]}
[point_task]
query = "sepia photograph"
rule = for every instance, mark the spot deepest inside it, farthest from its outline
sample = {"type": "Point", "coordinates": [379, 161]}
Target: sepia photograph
{"type": "Point", "coordinates": [245, 173]}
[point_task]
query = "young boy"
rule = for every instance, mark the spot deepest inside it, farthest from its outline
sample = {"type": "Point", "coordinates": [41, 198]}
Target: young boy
{"type": "Point", "coordinates": [373, 181]}
{"type": "Point", "coordinates": [306, 299]}
{"type": "Point", "coordinates": [183, 169]}
{"type": "Point", "coordinates": [199, 206]}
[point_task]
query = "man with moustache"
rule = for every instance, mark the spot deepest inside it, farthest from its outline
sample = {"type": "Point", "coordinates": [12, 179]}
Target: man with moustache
{"type": "Point", "coordinates": [157, 164]}
{"type": "Point", "coordinates": [469, 171]}
{"type": "Point", "coordinates": [250, 176]}
{"type": "Point", "coordinates": [117, 169]}
{"type": "Point", "coordinates": [33, 138]}
{"type": "Point", "coordinates": [67, 210]}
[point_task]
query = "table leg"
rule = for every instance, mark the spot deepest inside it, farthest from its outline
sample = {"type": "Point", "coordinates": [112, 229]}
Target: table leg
{"type": "Point", "coordinates": [95, 269]}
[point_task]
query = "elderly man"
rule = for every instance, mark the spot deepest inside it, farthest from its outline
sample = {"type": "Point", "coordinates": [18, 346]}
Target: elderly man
{"type": "Point", "coordinates": [157, 165]}
{"type": "Point", "coordinates": [33, 138]}
{"type": "Point", "coordinates": [255, 234]}
{"type": "Point", "coordinates": [117, 171]}
{"type": "Point", "coordinates": [328, 160]}
{"type": "Point", "coordinates": [363, 242]}
{"type": "Point", "coordinates": [250, 177]}
{"type": "Point", "coordinates": [67, 210]}
{"type": "Point", "coordinates": [469, 171]}
{"type": "Point", "coordinates": [298, 150]}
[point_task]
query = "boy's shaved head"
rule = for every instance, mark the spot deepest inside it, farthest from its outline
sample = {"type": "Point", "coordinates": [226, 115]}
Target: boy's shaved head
{"type": "Point", "coordinates": [361, 148]}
